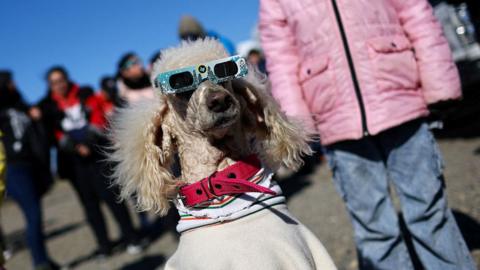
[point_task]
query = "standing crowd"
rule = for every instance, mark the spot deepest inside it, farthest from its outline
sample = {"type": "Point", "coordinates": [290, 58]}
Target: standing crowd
{"type": "Point", "coordinates": [363, 78]}
{"type": "Point", "coordinates": [74, 120]}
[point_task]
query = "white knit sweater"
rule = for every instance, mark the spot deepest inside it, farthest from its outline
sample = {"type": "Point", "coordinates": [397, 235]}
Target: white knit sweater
{"type": "Point", "coordinates": [249, 231]}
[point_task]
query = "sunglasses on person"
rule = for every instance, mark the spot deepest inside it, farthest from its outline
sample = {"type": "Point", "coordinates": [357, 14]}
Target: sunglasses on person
{"type": "Point", "coordinates": [130, 63]}
{"type": "Point", "coordinates": [189, 78]}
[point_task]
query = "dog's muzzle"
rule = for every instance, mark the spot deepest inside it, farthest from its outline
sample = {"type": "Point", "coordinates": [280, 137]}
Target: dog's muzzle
{"type": "Point", "coordinates": [219, 101]}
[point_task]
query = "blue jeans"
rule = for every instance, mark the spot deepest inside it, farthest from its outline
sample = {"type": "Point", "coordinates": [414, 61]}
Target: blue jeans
{"type": "Point", "coordinates": [408, 158]}
{"type": "Point", "coordinates": [20, 186]}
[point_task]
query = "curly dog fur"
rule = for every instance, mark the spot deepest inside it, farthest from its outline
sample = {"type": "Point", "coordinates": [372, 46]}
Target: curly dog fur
{"type": "Point", "coordinates": [148, 134]}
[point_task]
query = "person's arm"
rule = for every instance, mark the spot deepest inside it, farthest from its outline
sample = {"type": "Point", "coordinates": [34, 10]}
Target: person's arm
{"type": "Point", "coordinates": [97, 116]}
{"type": "Point", "coordinates": [438, 73]}
{"type": "Point", "coordinates": [278, 43]}
{"type": "Point", "coordinates": [97, 122]}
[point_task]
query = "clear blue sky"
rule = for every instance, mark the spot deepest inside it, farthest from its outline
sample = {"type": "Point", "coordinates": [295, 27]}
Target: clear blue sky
{"type": "Point", "coordinates": [89, 36]}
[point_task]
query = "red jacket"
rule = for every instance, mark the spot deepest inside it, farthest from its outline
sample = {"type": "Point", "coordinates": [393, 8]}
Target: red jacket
{"type": "Point", "coordinates": [75, 114]}
{"type": "Point", "coordinates": [106, 106]}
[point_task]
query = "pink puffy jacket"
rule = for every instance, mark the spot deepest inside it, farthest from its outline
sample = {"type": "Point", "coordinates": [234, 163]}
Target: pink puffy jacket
{"type": "Point", "coordinates": [356, 67]}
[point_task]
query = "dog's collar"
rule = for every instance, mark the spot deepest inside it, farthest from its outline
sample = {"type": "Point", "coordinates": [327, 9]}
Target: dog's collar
{"type": "Point", "coordinates": [229, 181]}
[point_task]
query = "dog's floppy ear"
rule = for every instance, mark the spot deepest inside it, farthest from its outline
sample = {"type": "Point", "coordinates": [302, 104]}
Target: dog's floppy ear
{"type": "Point", "coordinates": [279, 139]}
{"type": "Point", "coordinates": [142, 153]}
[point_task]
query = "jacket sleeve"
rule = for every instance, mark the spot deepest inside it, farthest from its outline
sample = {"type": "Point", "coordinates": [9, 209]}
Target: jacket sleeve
{"type": "Point", "coordinates": [279, 45]}
{"type": "Point", "coordinates": [438, 73]}
{"type": "Point", "coordinates": [97, 115]}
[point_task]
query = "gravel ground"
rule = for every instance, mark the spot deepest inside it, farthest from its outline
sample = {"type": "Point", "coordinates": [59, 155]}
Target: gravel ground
{"type": "Point", "coordinates": [312, 198]}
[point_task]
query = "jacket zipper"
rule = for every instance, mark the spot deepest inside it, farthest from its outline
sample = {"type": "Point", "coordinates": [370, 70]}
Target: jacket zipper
{"type": "Point", "coordinates": [352, 69]}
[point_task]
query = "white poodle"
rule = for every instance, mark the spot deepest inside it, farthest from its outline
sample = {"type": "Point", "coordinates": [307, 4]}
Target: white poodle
{"type": "Point", "coordinates": [229, 135]}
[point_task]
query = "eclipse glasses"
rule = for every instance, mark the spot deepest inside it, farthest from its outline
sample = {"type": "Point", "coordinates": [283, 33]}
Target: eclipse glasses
{"type": "Point", "coordinates": [189, 78]}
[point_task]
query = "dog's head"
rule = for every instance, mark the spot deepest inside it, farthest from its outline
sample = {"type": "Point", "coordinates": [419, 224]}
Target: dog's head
{"type": "Point", "coordinates": [146, 134]}
{"type": "Point", "coordinates": [210, 109]}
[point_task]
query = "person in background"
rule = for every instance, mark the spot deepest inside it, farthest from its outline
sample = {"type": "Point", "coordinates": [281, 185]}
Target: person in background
{"type": "Point", "coordinates": [133, 81]}
{"type": "Point", "coordinates": [153, 59]}
{"type": "Point", "coordinates": [459, 29]}
{"type": "Point", "coordinates": [85, 94]}
{"type": "Point", "coordinates": [190, 28]}
{"type": "Point", "coordinates": [78, 122]}
{"type": "Point", "coordinates": [108, 95]}
{"type": "Point", "coordinates": [134, 85]}
{"type": "Point", "coordinates": [362, 73]}
{"type": "Point", "coordinates": [109, 102]}
{"type": "Point", "coordinates": [22, 175]}
{"type": "Point", "coordinates": [474, 7]}
{"type": "Point", "coordinates": [255, 58]}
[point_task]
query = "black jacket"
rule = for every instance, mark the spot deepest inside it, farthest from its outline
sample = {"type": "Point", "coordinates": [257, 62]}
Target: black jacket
{"type": "Point", "coordinates": [16, 127]}
{"type": "Point", "coordinates": [25, 142]}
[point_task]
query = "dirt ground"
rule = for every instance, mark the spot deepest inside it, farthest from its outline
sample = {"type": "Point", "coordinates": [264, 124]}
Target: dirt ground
{"type": "Point", "coordinates": [312, 198]}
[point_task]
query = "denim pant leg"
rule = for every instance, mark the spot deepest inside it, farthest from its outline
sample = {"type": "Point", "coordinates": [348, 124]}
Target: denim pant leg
{"type": "Point", "coordinates": [20, 187]}
{"type": "Point", "coordinates": [361, 179]}
{"type": "Point", "coordinates": [415, 166]}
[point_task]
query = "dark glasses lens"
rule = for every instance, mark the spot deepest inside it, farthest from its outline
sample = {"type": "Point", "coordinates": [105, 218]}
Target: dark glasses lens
{"type": "Point", "coordinates": [181, 80]}
{"type": "Point", "coordinates": [225, 69]}
{"type": "Point", "coordinates": [131, 63]}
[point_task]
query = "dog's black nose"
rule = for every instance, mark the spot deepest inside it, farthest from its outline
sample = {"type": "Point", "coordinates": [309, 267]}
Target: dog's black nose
{"type": "Point", "coordinates": [219, 102]}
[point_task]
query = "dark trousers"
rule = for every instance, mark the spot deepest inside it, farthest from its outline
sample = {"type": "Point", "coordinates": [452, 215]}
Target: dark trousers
{"type": "Point", "coordinates": [20, 186]}
{"type": "Point", "coordinates": [92, 187]}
